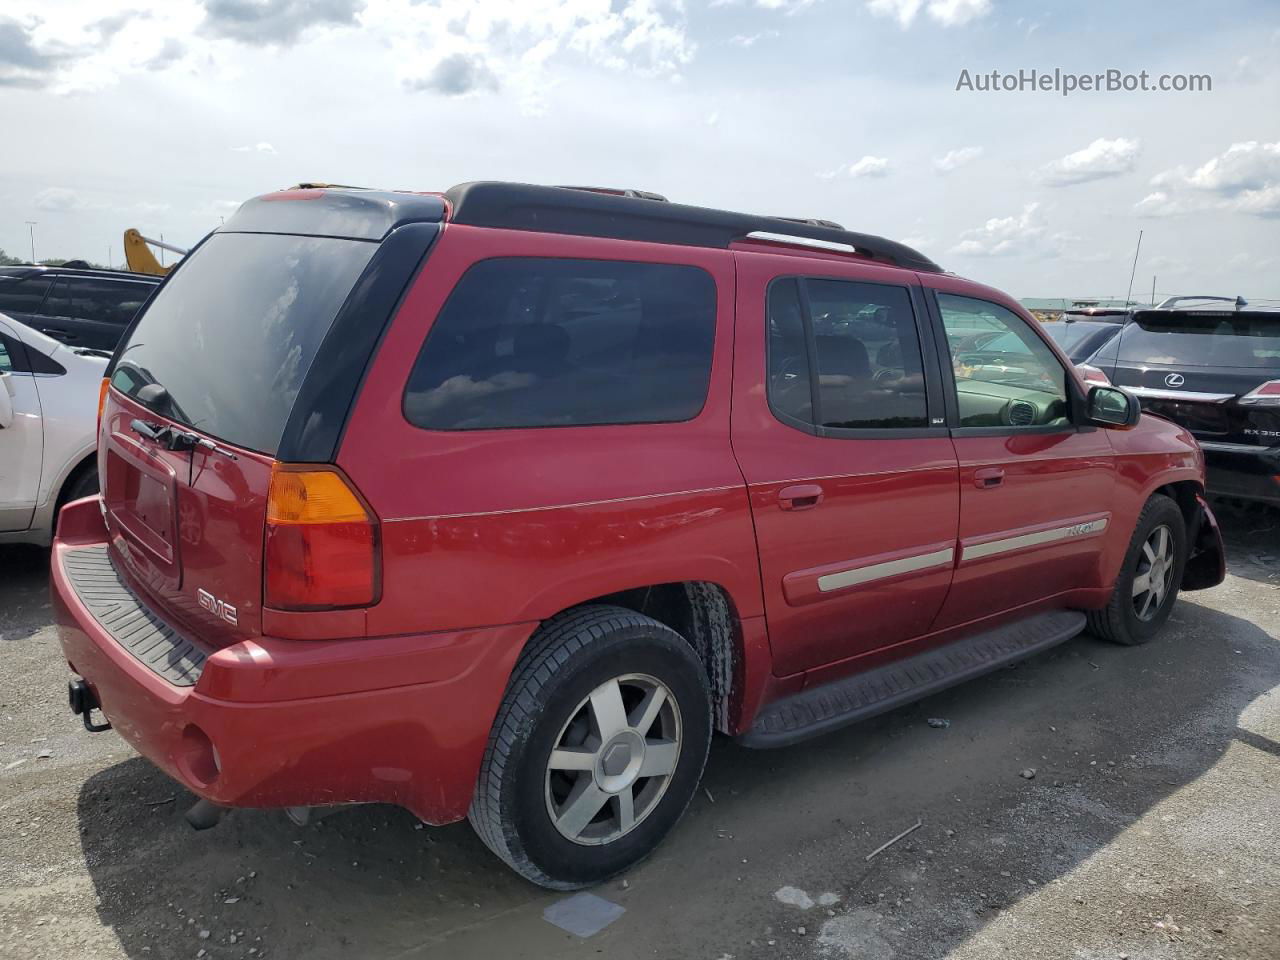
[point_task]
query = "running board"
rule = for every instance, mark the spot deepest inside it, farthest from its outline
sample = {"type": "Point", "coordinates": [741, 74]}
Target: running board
{"type": "Point", "coordinates": [833, 705]}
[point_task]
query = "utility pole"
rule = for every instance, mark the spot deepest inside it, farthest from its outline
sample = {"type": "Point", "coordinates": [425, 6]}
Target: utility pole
{"type": "Point", "coordinates": [31, 229]}
{"type": "Point", "coordinates": [1153, 291]}
{"type": "Point", "coordinates": [1134, 271]}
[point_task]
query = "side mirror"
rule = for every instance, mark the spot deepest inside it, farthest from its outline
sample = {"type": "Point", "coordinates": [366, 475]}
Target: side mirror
{"type": "Point", "coordinates": [1113, 407]}
{"type": "Point", "coordinates": [6, 399]}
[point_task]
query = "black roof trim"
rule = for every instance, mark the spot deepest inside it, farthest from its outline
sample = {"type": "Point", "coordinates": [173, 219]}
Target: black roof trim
{"type": "Point", "coordinates": [522, 206]}
{"type": "Point", "coordinates": [22, 271]}
{"type": "Point", "coordinates": [329, 211]}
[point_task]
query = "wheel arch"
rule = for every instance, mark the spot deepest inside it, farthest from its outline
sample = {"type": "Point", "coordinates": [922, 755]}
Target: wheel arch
{"type": "Point", "coordinates": [704, 613]}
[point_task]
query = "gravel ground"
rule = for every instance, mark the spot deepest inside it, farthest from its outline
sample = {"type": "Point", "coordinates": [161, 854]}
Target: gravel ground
{"type": "Point", "coordinates": [1150, 829]}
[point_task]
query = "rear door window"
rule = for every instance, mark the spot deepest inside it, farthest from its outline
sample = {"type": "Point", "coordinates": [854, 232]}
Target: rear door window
{"type": "Point", "coordinates": [544, 342]}
{"type": "Point", "coordinates": [233, 332]}
{"type": "Point", "coordinates": [103, 300]}
{"type": "Point", "coordinates": [864, 371]}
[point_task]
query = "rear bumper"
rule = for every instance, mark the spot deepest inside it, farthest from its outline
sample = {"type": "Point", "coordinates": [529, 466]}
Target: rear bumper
{"type": "Point", "coordinates": [278, 723]}
{"type": "Point", "coordinates": [1233, 470]}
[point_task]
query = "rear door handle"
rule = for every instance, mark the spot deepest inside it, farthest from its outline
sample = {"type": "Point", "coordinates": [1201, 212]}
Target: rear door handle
{"type": "Point", "coordinates": [57, 334]}
{"type": "Point", "coordinates": [988, 477]}
{"type": "Point", "coordinates": [800, 496]}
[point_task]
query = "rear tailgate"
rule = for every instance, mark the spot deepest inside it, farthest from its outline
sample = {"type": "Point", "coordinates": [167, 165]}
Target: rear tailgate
{"type": "Point", "coordinates": [186, 524]}
{"type": "Point", "coordinates": [202, 391]}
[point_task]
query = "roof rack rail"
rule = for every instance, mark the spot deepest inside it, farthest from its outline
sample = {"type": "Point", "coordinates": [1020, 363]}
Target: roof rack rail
{"type": "Point", "coordinates": [619, 192]}
{"type": "Point", "coordinates": [813, 222]}
{"type": "Point", "coordinates": [522, 206]}
{"type": "Point", "coordinates": [1173, 303]}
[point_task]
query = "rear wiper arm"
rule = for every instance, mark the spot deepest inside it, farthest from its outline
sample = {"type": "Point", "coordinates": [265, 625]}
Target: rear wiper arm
{"type": "Point", "coordinates": [174, 439]}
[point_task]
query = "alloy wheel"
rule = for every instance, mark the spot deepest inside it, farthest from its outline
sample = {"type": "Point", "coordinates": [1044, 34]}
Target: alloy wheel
{"type": "Point", "coordinates": [1155, 572]}
{"type": "Point", "coordinates": [613, 759]}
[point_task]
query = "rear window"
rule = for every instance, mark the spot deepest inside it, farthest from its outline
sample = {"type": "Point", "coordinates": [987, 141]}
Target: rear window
{"type": "Point", "coordinates": [1203, 340]}
{"type": "Point", "coordinates": [233, 332]}
{"type": "Point", "coordinates": [542, 342]}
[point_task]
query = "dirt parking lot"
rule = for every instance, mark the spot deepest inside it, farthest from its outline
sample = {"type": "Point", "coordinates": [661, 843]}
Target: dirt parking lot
{"type": "Point", "coordinates": [1150, 829]}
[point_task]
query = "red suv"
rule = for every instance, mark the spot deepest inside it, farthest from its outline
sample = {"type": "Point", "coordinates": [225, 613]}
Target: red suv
{"type": "Point", "coordinates": [497, 503]}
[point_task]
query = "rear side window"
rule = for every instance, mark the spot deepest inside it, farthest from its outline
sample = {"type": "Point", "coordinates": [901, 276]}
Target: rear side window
{"type": "Point", "coordinates": [864, 370]}
{"type": "Point", "coordinates": [233, 332]}
{"type": "Point", "coordinates": [542, 342]}
{"type": "Point", "coordinates": [23, 296]}
{"type": "Point", "coordinates": [88, 298]}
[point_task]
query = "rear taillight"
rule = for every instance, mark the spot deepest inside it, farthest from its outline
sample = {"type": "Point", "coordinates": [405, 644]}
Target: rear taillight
{"type": "Point", "coordinates": [1092, 374]}
{"type": "Point", "coordinates": [321, 542]}
{"type": "Point", "coordinates": [1264, 395]}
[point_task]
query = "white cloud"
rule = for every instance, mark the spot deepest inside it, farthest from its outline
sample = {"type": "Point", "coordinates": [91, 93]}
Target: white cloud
{"type": "Point", "coordinates": [1102, 158]}
{"type": "Point", "coordinates": [1001, 236]}
{"type": "Point", "coordinates": [948, 13]}
{"type": "Point", "coordinates": [260, 147]}
{"type": "Point", "coordinates": [1245, 178]}
{"type": "Point", "coordinates": [788, 6]}
{"type": "Point", "coordinates": [955, 159]}
{"type": "Point", "coordinates": [58, 199]}
{"type": "Point", "coordinates": [1244, 166]}
{"type": "Point", "coordinates": [749, 40]}
{"type": "Point", "coordinates": [869, 167]}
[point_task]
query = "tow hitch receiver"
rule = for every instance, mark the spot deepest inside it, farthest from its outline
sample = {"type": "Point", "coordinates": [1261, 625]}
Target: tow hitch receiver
{"type": "Point", "coordinates": [83, 703]}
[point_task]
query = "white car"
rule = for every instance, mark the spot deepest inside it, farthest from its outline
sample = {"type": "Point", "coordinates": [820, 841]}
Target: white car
{"type": "Point", "coordinates": [48, 429]}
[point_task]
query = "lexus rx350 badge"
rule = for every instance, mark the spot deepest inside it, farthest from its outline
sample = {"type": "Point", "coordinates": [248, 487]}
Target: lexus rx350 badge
{"type": "Point", "coordinates": [1174, 380]}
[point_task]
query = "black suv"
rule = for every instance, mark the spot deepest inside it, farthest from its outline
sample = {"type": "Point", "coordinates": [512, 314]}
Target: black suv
{"type": "Point", "coordinates": [85, 308]}
{"type": "Point", "coordinates": [1211, 364]}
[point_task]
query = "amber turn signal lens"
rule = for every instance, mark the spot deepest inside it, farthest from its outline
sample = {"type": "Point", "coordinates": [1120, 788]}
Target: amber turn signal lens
{"type": "Point", "coordinates": [102, 397]}
{"type": "Point", "coordinates": [312, 496]}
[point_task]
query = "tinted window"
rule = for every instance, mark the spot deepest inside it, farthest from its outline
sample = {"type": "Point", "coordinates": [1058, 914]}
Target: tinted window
{"type": "Point", "coordinates": [8, 354]}
{"type": "Point", "coordinates": [232, 334]}
{"type": "Point", "coordinates": [22, 296]}
{"type": "Point", "coordinates": [1005, 374]}
{"type": "Point", "coordinates": [866, 355]}
{"type": "Point", "coordinates": [1222, 340]}
{"type": "Point", "coordinates": [1080, 340]}
{"type": "Point", "coordinates": [88, 298]}
{"type": "Point", "coordinates": [539, 342]}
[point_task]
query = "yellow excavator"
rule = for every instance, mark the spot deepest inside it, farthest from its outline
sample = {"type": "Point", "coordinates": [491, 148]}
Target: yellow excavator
{"type": "Point", "coordinates": [138, 255]}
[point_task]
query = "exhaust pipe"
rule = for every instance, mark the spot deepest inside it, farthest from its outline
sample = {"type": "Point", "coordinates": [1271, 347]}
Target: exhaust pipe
{"type": "Point", "coordinates": [204, 814]}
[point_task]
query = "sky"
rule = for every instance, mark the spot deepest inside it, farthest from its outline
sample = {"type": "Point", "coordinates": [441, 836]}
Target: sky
{"type": "Point", "coordinates": [166, 114]}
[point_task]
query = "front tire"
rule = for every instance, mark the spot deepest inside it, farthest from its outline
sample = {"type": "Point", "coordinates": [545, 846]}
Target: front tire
{"type": "Point", "coordinates": [1147, 586]}
{"type": "Point", "coordinates": [597, 748]}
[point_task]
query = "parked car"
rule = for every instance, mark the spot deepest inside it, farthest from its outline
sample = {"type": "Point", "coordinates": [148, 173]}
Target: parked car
{"type": "Point", "coordinates": [48, 398]}
{"type": "Point", "coordinates": [497, 503]}
{"type": "Point", "coordinates": [1096, 314]}
{"type": "Point", "coordinates": [1081, 339]}
{"type": "Point", "coordinates": [1211, 364]}
{"type": "Point", "coordinates": [82, 307]}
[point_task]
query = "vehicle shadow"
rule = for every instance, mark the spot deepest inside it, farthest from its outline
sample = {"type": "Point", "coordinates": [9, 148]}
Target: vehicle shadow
{"type": "Point", "coordinates": [369, 882]}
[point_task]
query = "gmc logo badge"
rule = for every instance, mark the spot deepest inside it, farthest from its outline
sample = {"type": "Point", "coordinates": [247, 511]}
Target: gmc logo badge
{"type": "Point", "coordinates": [219, 608]}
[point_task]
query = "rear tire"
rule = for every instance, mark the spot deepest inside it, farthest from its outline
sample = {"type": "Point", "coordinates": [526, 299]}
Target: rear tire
{"type": "Point", "coordinates": [1147, 586]}
{"type": "Point", "coordinates": [597, 748]}
{"type": "Point", "coordinates": [83, 483]}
